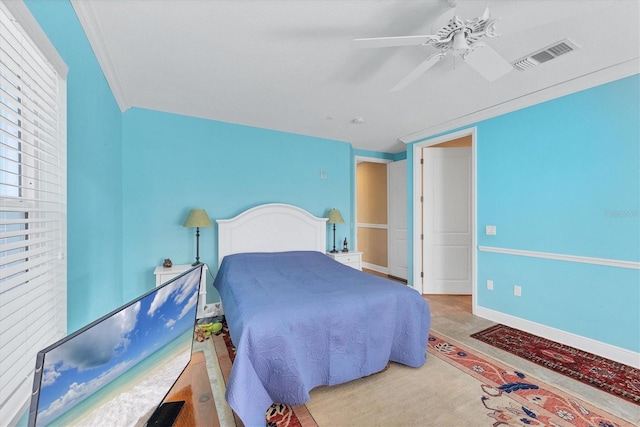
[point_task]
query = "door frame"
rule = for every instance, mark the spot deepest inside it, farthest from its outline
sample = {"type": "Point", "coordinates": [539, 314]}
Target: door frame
{"type": "Point", "coordinates": [362, 159]}
{"type": "Point", "coordinates": [417, 207]}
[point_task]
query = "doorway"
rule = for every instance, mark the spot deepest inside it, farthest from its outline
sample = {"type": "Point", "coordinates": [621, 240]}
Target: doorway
{"type": "Point", "coordinates": [372, 213]}
{"type": "Point", "coordinates": [444, 222]}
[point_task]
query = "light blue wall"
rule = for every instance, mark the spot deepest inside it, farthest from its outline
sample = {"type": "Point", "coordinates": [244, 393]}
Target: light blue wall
{"type": "Point", "coordinates": [563, 177]}
{"type": "Point", "coordinates": [550, 176]}
{"type": "Point", "coordinates": [174, 163]}
{"type": "Point", "coordinates": [553, 178]}
{"type": "Point", "coordinates": [94, 167]}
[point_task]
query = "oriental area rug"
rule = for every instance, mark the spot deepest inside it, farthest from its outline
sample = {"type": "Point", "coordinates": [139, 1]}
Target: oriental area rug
{"type": "Point", "coordinates": [616, 378]}
{"type": "Point", "coordinates": [457, 386]}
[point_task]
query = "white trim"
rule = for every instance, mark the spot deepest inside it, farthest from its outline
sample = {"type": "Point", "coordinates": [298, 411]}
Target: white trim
{"type": "Point", "coordinates": [374, 267]}
{"type": "Point", "coordinates": [91, 25]}
{"type": "Point", "coordinates": [354, 223]}
{"type": "Point", "coordinates": [21, 13]}
{"type": "Point", "coordinates": [366, 225]}
{"type": "Point", "coordinates": [417, 283]}
{"type": "Point", "coordinates": [609, 351]}
{"type": "Point", "coordinates": [360, 159]}
{"type": "Point", "coordinates": [563, 257]}
{"type": "Point", "coordinates": [596, 78]}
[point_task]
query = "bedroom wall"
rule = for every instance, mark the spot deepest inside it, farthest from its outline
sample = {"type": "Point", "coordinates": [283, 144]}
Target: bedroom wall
{"type": "Point", "coordinates": [173, 163]}
{"type": "Point", "coordinates": [563, 177]}
{"type": "Point", "coordinates": [94, 173]}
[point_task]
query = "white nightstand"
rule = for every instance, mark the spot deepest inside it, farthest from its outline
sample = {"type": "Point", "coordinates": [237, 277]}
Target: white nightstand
{"type": "Point", "coordinates": [352, 259]}
{"type": "Point", "coordinates": [167, 273]}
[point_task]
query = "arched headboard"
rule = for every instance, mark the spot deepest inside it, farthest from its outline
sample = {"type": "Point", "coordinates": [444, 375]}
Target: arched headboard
{"type": "Point", "coordinates": [274, 227]}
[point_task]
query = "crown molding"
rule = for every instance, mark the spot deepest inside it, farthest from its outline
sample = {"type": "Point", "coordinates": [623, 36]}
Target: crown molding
{"type": "Point", "coordinates": [87, 17]}
{"type": "Point", "coordinates": [586, 81]}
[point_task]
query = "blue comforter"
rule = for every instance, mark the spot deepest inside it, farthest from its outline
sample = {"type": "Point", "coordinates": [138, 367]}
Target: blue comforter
{"type": "Point", "coordinates": [300, 320]}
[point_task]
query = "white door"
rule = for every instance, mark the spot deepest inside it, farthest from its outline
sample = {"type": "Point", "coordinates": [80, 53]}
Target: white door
{"type": "Point", "coordinates": [447, 224]}
{"type": "Point", "coordinates": [397, 255]}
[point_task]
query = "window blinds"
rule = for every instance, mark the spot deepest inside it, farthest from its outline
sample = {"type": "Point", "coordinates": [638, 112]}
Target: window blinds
{"type": "Point", "coordinates": [32, 209]}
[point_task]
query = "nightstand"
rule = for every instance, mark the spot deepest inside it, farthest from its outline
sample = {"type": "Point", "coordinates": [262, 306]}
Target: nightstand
{"type": "Point", "coordinates": [167, 273]}
{"type": "Point", "coordinates": [352, 259]}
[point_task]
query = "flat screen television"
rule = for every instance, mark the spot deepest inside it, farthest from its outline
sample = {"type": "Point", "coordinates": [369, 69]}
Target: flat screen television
{"type": "Point", "coordinates": [117, 370]}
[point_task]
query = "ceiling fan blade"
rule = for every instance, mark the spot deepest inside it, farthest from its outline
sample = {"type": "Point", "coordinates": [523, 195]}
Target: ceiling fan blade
{"type": "Point", "coordinates": [391, 41]}
{"type": "Point", "coordinates": [419, 70]}
{"type": "Point", "coordinates": [488, 62]}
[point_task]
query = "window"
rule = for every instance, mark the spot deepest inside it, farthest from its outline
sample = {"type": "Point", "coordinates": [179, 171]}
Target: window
{"type": "Point", "coordinates": [32, 202]}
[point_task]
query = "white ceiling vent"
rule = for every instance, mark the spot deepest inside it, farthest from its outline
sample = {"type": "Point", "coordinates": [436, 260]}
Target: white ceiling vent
{"type": "Point", "coordinates": [546, 54]}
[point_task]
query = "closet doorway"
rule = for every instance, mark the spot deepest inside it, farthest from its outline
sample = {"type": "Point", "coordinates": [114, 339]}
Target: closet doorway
{"type": "Point", "coordinates": [381, 215]}
{"type": "Point", "coordinates": [372, 224]}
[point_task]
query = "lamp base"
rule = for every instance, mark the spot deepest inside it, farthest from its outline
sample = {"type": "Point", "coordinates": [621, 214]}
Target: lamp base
{"type": "Point", "coordinates": [333, 251]}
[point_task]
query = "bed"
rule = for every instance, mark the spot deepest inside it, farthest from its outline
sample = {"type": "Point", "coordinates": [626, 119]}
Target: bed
{"type": "Point", "coordinates": [300, 319]}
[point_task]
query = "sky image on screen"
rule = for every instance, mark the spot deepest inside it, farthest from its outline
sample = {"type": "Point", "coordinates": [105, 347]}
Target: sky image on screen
{"type": "Point", "coordinates": [118, 369]}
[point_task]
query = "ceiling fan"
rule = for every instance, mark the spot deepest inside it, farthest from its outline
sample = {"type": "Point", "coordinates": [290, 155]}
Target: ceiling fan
{"type": "Point", "coordinates": [461, 37]}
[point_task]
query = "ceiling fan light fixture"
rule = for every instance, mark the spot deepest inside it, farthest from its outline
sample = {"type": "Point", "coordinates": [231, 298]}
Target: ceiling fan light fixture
{"type": "Point", "coordinates": [459, 44]}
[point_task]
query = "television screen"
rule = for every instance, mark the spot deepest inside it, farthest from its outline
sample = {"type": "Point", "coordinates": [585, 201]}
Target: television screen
{"type": "Point", "coordinates": [118, 369]}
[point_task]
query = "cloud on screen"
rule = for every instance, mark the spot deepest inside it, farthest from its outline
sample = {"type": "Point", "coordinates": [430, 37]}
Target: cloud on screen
{"type": "Point", "coordinates": [94, 347]}
{"type": "Point", "coordinates": [185, 289]}
{"type": "Point", "coordinates": [78, 391]}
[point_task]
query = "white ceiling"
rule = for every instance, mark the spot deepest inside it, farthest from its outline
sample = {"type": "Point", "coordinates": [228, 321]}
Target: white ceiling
{"type": "Point", "coordinates": [290, 65]}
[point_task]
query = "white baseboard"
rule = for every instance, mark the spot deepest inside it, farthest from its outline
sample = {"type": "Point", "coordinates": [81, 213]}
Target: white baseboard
{"type": "Point", "coordinates": [608, 351]}
{"type": "Point", "coordinates": [379, 269]}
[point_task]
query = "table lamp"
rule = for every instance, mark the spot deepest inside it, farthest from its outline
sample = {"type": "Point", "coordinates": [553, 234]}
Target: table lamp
{"type": "Point", "coordinates": [334, 218]}
{"type": "Point", "coordinates": [197, 218]}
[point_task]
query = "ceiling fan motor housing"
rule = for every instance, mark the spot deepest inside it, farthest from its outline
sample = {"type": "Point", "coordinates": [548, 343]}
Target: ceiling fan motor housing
{"type": "Point", "coordinates": [459, 35]}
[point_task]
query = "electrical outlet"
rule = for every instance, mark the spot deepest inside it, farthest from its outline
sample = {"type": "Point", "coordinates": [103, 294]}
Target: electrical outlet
{"type": "Point", "coordinates": [490, 285]}
{"type": "Point", "coordinates": [517, 290]}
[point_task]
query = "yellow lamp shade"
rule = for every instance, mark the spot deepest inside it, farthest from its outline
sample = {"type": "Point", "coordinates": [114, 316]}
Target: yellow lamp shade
{"type": "Point", "coordinates": [198, 218]}
{"type": "Point", "coordinates": [335, 217]}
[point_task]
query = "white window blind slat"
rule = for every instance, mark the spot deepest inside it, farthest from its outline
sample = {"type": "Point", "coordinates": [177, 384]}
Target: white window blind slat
{"type": "Point", "coordinates": [50, 214]}
{"type": "Point", "coordinates": [15, 258]}
{"type": "Point", "coordinates": [30, 259]}
{"type": "Point", "coordinates": [19, 327]}
{"type": "Point", "coordinates": [32, 202]}
{"type": "Point", "coordinates": [23, 335]}
{"type": "Point", "coordinates": [33, 289]}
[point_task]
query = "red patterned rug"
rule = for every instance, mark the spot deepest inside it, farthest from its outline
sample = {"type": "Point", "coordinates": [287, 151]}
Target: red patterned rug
{"type": "Point", "coordinates": [508, 397]}
{"type": "Point", "coordinates": [616, 378]}
{"type": "Point", "coordinates": [514, 398]}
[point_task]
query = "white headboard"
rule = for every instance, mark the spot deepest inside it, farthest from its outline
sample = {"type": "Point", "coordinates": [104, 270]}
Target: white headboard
{"type": "Point", "coordinates": [273, 227]}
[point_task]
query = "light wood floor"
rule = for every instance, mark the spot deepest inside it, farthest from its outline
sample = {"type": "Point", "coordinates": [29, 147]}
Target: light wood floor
{"type": "Point", "coordinates": [452, 316]}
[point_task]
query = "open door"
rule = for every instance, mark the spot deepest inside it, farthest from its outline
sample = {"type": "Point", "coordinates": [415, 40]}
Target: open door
{"type": "Point", "coordinates": [398, 266]}
{"type": "Point", "coordinates": [447, 218]}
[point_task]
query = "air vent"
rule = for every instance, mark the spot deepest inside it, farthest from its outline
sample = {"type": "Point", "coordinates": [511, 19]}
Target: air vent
{"type": "Point", "coordinates": [546, 54]}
